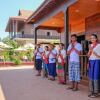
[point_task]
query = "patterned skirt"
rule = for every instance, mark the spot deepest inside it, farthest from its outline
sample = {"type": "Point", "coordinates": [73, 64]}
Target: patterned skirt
{"type": "Point", "coordinates": [74, 71]}
{"type": "Point", "coordinates": [60, 73]}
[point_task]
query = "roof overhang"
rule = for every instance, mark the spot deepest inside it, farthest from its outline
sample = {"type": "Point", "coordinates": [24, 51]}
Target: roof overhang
{"type": "Point", "coordinates": [51, 14]}
{"type": "Point", "coordinates": [9, 27]}
{"type": "Point", "coordinates": [47, 7]}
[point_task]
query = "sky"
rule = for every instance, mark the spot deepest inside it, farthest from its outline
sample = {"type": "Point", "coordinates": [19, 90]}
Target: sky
{"type": "Point", "coordinates": [10, 8]}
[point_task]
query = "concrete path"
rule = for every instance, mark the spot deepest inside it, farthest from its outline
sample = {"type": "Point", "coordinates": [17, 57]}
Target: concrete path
{"type": "Point", "coordinates": [20, 83]}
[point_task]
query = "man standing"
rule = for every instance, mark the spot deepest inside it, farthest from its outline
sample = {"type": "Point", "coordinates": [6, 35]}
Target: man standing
{"type": "Point", "coordinates": [74, 51]}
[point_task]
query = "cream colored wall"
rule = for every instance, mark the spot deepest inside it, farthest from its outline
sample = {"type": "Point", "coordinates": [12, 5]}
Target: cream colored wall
{"type": "Point", "coordinates": [27, 28]}
{"type": "Point", "coordinates": [44, 32]}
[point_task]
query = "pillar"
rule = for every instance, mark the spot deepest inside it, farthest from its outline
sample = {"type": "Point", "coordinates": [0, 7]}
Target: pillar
{"type": "Point", "coordinates": [66, 37]}
{"type": "Point", "coordinates": [35, 36]}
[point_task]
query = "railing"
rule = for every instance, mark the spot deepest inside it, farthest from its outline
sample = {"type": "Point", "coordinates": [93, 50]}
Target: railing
{"type": "Point", "coordinates": [84, 65]}
{"type": "Point", "coordinates": [47, 37]}
{"type": "Point", "coordinates": [24, 36]}
{"type": "Point", "coordinates": [38, 36]}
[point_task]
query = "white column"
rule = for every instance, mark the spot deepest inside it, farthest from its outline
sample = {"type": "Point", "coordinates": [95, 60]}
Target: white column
{"type": "Point", "coordinates": [13, 28]}
{"type": "Point", "coordinates": [16, 26]}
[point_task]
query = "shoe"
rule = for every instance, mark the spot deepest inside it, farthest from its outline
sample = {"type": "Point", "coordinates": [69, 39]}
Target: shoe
{"type": "Point", "coordinates": [90, 94]}
{"type": "Point", "coordinates": [52, 79]}
{"type": "Point", "coordinates": [95, 95]}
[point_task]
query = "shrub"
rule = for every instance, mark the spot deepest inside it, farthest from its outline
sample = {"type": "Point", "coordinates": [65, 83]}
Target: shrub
{"type": "Point", "coordinates": [17, 61]}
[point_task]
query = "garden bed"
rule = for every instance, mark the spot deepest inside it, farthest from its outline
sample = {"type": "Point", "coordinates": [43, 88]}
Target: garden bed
{"type": "Point", "coordinates": [13, 64]}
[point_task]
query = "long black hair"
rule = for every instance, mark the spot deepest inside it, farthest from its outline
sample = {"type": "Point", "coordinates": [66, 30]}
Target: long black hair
{"type": "Point", "coordinates": [95, 36]}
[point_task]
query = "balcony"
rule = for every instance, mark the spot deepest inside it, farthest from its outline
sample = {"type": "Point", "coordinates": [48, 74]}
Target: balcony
{"type": "Point", "coordinates": [24, 36]}
{"type": "Point", "coordinates": [38, 36]}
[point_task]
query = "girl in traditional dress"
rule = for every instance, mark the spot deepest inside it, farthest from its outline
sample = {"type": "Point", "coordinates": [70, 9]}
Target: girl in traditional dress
{"type": "Point", "coordinates": [52, 62]}
{"type": "Point", "coordinates": [45, 61]}
{"type": "Point", "coordinates": [61, 63]}
{"type": "Point", "coordinates": [38, 59]}
{"type": "Point", "coordinates": [94, 66]}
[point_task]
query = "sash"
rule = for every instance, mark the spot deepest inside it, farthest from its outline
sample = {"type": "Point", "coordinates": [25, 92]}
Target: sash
{"type": "Point", "coordinates": [74, 47]}
{"type": "Point", "coordinates": [52, 54]}
{"type": "Point", "coordinates": [37, 53]}
{"type": "Point", "coordinates": [45, 58]}
{"type": "Point", "coordinates": [62, 59]}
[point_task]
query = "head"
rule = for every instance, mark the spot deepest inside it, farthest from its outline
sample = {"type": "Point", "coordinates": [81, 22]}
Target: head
{"type": "Point", "coordinates": [61, 45]}
{"type": "Point", "coordinates": [94, 38]}
{"type": "Point", "coordinates": [73, 38]}
{"type": "Point", "coordinates": [51, 46]}
{"type": "Point", "coordinates": [46, 48]}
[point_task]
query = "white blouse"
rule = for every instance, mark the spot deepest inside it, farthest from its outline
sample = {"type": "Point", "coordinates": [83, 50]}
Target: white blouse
{"type": "Point", "coordinates": [96, 50]}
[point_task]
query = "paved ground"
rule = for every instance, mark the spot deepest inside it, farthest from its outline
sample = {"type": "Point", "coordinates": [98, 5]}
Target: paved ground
{"type": "Point", "coordinates": [22, 84]}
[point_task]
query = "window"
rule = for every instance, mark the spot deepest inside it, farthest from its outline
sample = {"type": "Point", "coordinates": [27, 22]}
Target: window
{"type": "Point", "coordinates": [48, 33]}
{"type": "Point", "coordinates": [22, 34]}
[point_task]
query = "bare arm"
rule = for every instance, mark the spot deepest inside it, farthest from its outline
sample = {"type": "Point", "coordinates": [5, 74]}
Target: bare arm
{"type": "Point", "coordinates": [53, 54]}
{"type": "Point", "coordinates": [90, 51]}
{"type": "Point", "coordinates": [77, 51]}
{"type": "Point", "coordinates": [68, 52]}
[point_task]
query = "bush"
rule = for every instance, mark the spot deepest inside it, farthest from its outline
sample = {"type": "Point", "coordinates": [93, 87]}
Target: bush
{"type": "Point", "coordinates": [17, 61]}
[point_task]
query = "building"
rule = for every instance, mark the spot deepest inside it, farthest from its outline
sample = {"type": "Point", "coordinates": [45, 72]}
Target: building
{"type": "Point", "coordinates": [81, 17]}
{"type": "Point", "coordinates": [68, 16]}
{"type": "Point", "coordinates": [23, 32]}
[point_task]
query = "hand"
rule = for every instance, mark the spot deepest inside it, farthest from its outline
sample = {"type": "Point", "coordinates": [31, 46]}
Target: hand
{"type": "Point", "coordinates": [72, 45]}
{"type": "Point", "coordinates": [59, 52]}
{"type": "Point", "coordinates": [90, 48]}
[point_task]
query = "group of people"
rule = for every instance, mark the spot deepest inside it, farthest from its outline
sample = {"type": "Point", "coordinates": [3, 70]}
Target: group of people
{"type": "Point", "coordinates": [52, 62]}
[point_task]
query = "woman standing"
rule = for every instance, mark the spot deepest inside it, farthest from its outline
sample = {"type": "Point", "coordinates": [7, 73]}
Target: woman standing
{"type": "Point", "coordinates": [52, 62]}
{"type": "Point", "coordinates": [94, 66]}
{"type": "Point", "coordinates": [61, 63]}
{"type": "Point", "coordinates": [38, 59]}
{"type": "Point", "coordinates": [45, 61]}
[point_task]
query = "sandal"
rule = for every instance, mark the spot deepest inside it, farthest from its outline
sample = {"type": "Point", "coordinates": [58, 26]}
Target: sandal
{"type": "Point", "coordinates": [90, 94]}
{"type": "Point", "coordinates": [38, 74]}
{"type": "Point", "coordinates": [94, 95]}
{"type": "Point", "coordinates": [75, 89]}
{"type": "Point", "coordinates": [70, 88]}
{"type": "Point", "coordinates": [52, 79]}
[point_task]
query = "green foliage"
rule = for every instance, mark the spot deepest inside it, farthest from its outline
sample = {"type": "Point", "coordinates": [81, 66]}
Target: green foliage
{"type": "Point", "coordinates": [17, 61]}
{"type": "Point", "coordinates": [11, 55]}
{"type": "Point", "coordinates": [10, 42]}
{"type": "Point", "coordinates": [6, 55]}
{"type": "Point", "coordinates": [30, 54]}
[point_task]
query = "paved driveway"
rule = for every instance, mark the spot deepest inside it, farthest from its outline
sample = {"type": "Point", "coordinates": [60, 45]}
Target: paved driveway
{"type": "Point", "coordinates": [20, 83]}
